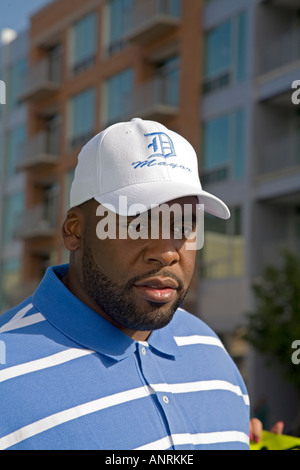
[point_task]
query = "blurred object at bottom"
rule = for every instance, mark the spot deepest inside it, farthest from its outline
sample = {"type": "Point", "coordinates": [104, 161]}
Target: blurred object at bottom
{"type": "Point", "coordinates": [271, 441]}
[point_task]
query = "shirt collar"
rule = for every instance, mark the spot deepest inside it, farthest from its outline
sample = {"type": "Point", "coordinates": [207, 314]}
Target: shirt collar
{"type": "Point", "coordinates": [86, 327]}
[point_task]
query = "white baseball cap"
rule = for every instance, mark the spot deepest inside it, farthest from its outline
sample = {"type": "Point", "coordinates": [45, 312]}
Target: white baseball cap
{"type": "Point", "coordinates": [144, 161]}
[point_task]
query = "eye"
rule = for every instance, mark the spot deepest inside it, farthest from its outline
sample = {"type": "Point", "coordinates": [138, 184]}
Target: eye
{"type": "Point", "coordinates": [139, 229]}
{"type": "Point", "coordinates": [183, 231]}
{"type": "Point", "coordinates": [187, 231]}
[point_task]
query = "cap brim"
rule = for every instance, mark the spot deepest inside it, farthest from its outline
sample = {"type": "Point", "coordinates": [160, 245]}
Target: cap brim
{"type": "Point", "coordinates": [154, 193]}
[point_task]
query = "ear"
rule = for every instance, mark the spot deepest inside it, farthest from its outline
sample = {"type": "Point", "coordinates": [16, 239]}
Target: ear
{"type": "Point", "coordinates": [72, 229]}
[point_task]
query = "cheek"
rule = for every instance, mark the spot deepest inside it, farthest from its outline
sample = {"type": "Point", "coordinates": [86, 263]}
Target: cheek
{"type": "Point", "coordinates": [188, 260]}
{"type": "Point", "coordinates": [113, 259]}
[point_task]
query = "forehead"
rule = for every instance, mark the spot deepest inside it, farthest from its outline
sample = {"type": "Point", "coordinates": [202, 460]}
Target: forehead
{"type": "Point", "coordinates": [182, 201]}
{"type": "Point", "coordinates": [175, 208]}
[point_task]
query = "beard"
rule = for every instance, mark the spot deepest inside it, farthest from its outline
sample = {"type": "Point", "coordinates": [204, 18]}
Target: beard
{"type": "Point", "coordinates": [118, 301]}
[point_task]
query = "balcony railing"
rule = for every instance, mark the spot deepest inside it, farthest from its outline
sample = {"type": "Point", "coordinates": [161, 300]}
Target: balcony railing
{"type": "Point", "coordinates": [37, 221]}
{"type": "Point", "coordinates": [155, 99]}
{"type": "Point", "coordinates": [41, 79]}
{"type": "Point", "coordinates": [282, 51]}
{"type": "Point", "coordinates": [282, 3]}
{"type": "Point", "coordinates": [148, 19]}
{"type": "Point", "coordinates": [281, 154]}
{"type": "Point", "coordinates": [40, 150]}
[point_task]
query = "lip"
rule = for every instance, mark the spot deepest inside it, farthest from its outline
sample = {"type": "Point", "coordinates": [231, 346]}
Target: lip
{"type": "Point", "coordinates": [159, 290]}
{"type": "Point", "coordinates": [158, 283]}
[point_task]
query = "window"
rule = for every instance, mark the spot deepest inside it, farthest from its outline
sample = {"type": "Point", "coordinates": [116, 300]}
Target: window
{"type": "Point", "coordinates": [52, 126]}
{"type": "Point", "coordinates": [119, 90]}
{"type": "Point", "coordinates": [223, 148]}
{"type": "Point", "coordinates": [168, 73]}
{"type": "Point", "coordinates": [54, 54]}
{"type": "Point", "coordinates": [69, 176]}
{"type": "Point", "coordinates": [10, 282]}
{"type": "Point", "coordinates": [14, 147]}
{"type": "Point", "coordinates": [118, 17]}
{"type": "Point", "coordinates": [13, 207]}
{"type": "Point", "coordinates": [225, 54]}
{"type": "Point", "coordinates": [82, 117]}
{"type": "Point", "coordinates": [297, 230]}
{"type": "Point", "coordinates": [83, 43]}
{"type": "Point", "coordinates": [223, 253]}
{"type": "Point", "coordinates": [171, 7]}
{"type": "Point", "coordinates": [15, 77]}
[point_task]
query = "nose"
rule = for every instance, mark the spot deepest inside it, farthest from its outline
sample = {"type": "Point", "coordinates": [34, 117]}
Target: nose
{"type": "Point", "coordinates": [162, 251]}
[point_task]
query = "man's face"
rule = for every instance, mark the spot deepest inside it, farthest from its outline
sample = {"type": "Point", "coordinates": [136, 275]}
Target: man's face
{"type": "Point", "coordinates": [138, 283]}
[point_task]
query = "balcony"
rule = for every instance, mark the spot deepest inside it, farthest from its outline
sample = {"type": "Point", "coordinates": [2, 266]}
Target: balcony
{"type": "Point", "coordinates": [41, 80]}
{"type": "Point", "coordinates": [281, 52]}
{"type": "Point", "coordinates": [156, 99]}
{"type": "Point", "coordinates": [38, 221]}
{"type": "Point", "coordinates": [280, 155]}
{"type": "Point", "coordinates": [291, 4]}
{"type": "Point", "coordinates": [40, 150]}
{"type": "Point", "coordinates": [149, 19]}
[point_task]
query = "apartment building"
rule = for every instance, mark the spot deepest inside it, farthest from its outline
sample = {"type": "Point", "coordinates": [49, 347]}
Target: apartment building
{"type": "Point", "coordinates": [218, 72]}
{"type": "Point", "coordinates": [13, 117]}
{"type": "Point", "coordinates": [92, 63]}
{"type": "Point", "coordinates": [250, 158]}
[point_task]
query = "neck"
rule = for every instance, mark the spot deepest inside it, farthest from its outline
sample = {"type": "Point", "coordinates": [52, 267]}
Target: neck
{"type": "Point", "coordinates": [74, 286]}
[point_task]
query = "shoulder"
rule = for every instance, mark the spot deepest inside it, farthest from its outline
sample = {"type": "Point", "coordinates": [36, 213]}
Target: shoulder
{"type": "Point", "coordinates": [197, 339]}
{"type": "Point", "coordinates": [185, 323]}
{"type": "Point", "coordinates": [16, 314]}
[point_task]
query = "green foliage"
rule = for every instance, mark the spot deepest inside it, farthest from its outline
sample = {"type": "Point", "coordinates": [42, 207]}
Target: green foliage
{"type": "Point", "coordinates": [275, 324]}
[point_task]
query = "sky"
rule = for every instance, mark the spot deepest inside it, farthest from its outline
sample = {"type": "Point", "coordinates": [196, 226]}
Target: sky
{"type": "Point", "coordinates": [15, 14]}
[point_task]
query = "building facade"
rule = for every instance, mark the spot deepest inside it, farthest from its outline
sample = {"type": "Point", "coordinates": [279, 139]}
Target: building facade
{"type": "Point", "coordinates": [13, 132]}
{"type": "Point", "coordinates": [219, 73]}
{"type": "Point", "coordinates": [250, 158]}
{"type": "Point", "coordinates": [92, 65]}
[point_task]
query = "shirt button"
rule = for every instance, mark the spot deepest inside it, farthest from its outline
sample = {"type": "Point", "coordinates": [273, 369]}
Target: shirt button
{"type": "Point", "coordinates": [144, 351]}
{"type": "Point", "coordinates": [165, 399]}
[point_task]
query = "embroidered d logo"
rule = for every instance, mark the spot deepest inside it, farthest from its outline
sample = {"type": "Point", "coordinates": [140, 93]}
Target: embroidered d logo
{"type": "Point", "coordinates": [162, 145]}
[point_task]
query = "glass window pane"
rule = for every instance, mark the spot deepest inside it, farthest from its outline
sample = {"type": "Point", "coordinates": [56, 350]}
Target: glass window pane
{"type": "Point", "coordinates": [224, 147]}
{"type": "Point", "coordinates": [217, 50]}
{"type": "Point", "coordinates": [84, 41]}
{"type": "Point", "coordinates": [225, 54]}
{"type": "Point", "coordinates": [170, 76]}
{"type": "Point", "coordinates": [120, 89]}
{"type": "Point", "coordinates": [239, 152]}
{"type": "Point", "coordinates": [297, 229]}
{"type": "Point", "coordinates": [14, 146]}
{"type": "Point", "coordinates": [10, 281]}
{"type": "Point", "coordinates": [241, 47]}
{"type": "Point", "coordinates": [82, 116]}
{"type": "Point", "coordinates": [118, 13]}
{"type": "Point", "coordinates": [174, 8]}
{"type": "Point", "coordinates": [15, 77]}
{"type": "Point", "coordinates": [223, 253]}
{"type": "Point", "coordinates": [216, 142]}
{"type": "Point", "coordinates": [13, 207]}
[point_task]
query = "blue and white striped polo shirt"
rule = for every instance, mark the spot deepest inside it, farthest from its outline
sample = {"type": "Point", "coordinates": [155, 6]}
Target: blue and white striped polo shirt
{"type": "Point", "coordinates": [74, 381]}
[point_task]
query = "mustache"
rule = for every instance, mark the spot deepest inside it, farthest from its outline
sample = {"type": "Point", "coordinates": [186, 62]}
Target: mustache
{"type": "Point", "coordinates": [157, 273]}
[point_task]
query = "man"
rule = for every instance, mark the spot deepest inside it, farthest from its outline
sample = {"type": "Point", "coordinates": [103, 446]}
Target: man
{"type": "Point", "coordinates": [102, 355]}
